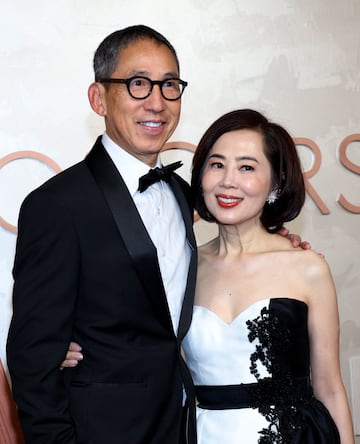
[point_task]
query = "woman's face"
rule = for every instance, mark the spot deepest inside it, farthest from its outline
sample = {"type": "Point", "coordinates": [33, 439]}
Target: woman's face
{"type": "Point", "coordinates": [236, 179]}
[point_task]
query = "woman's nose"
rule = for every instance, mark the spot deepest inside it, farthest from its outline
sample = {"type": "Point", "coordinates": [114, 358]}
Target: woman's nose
{"type": "Point", "coordinates": [228, 178]}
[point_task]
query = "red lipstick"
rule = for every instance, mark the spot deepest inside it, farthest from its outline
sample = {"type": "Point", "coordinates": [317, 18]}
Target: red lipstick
{"type": "Point", "coordinates": [226, 201]}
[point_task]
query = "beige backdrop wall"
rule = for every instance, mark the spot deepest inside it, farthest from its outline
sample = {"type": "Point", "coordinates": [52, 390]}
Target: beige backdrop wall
{"type": "Point", "coordinates": [299, 62]}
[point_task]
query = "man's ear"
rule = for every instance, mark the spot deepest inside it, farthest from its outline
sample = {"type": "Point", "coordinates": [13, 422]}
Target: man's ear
{"type": "Point", "coordinates": [96, 95]}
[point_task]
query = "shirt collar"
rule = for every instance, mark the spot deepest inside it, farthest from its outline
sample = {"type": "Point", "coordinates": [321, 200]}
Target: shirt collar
{"type": "Point", "coordinates": [128, 166]}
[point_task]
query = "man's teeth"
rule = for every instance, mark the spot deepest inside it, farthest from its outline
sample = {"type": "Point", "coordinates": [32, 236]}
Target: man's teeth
{"type": "Point", "coordinates": [151, 124]}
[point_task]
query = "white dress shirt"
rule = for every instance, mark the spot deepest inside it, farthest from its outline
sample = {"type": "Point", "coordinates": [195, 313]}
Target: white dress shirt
{"type": "Point", "coordinates": [163, 220]}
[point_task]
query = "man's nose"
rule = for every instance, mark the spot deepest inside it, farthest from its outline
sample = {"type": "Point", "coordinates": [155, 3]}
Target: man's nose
{"type": "Point", "coordinates": [155, 101]}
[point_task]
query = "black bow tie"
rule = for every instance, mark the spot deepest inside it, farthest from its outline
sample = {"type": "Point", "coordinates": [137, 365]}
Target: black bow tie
{"type": "Point", "coordinates": [157, 174]}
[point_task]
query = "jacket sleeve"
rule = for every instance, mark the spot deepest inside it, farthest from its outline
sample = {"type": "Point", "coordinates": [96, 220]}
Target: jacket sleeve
{"type": "Point", "coordinates": [44, 297]}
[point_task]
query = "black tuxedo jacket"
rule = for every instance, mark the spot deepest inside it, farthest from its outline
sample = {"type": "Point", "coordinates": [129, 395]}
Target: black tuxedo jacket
{"type": "Point", "coordinates": [86, 269]}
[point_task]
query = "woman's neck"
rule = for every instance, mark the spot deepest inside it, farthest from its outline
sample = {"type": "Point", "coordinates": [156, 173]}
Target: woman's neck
{"type": "Point", "coordinates": [239, 239]}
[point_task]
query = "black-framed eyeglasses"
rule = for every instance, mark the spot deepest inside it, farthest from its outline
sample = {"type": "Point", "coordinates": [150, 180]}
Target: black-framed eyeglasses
{"type": "Point", "coordinates": [141, 87]}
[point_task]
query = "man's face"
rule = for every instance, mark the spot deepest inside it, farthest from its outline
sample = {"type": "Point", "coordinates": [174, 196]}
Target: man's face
{"type": "Point", "coordinates": [141, 127]}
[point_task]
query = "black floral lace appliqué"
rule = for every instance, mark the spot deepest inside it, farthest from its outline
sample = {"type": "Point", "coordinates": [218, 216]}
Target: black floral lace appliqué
{"type": "Point", "coordinates": [273, 341]}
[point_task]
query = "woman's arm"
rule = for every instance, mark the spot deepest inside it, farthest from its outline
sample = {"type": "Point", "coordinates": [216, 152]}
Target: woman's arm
{"type": "Point", "coordinates": [324, 346]}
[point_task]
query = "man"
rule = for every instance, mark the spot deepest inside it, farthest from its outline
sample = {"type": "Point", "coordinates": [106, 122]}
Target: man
{"type": "Point", "coordinates": [112, 266]}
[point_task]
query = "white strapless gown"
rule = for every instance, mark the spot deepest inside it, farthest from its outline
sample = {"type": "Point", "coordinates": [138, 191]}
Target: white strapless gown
{"type": "Point", "coordinates": [219, 354]}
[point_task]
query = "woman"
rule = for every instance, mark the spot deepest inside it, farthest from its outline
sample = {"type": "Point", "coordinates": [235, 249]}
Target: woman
{"type": "Point", "coordinates": [263, 344]}
{"type": "Point", "coordinates": [265, 314]}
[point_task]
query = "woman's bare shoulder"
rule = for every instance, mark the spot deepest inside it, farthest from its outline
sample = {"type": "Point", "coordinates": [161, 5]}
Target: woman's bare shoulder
{"type": "Point", "coordinates": [314, 269]}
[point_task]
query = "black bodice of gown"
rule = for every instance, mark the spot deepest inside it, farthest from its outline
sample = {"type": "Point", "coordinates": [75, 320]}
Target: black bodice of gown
{"type": "Point", "coordinates": [282, 331]}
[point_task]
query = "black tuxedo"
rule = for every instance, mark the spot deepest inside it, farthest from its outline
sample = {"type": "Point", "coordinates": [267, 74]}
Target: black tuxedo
{"type": "Point", "coordinates": [86, 269]}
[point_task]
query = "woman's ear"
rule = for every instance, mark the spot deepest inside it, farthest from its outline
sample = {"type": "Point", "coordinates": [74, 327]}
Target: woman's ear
{"type": "Point", "coordinates": [96, 95]}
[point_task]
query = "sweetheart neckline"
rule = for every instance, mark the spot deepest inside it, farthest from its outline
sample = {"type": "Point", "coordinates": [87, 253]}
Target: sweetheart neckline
{"type": "Point", "coordinates": [247, 308]}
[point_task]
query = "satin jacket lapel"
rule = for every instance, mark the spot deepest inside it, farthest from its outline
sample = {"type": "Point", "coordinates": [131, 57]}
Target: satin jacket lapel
{"type": "Point", "coordinates": [131, 228]}
{"type": "Point", "coordinates": [187, 307]}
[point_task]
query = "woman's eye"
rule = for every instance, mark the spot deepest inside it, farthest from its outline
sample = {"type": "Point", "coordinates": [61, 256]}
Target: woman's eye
{"type": "Point", "coordinates": [216, 165]}
{"type": "Point", "coordinates": [246, 168]}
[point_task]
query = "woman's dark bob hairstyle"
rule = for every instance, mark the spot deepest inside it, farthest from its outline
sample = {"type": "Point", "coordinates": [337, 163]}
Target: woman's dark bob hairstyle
{"type": "Point", "coordinates": [280, 151]}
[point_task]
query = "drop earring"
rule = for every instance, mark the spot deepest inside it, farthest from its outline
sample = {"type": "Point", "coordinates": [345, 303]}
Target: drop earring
{"type": "Point", "coordinates": [272, 197]}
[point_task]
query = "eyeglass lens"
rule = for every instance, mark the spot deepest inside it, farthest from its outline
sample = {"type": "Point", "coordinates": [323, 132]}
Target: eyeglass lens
{"type": "Point", "coordinates": [140, 88]}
